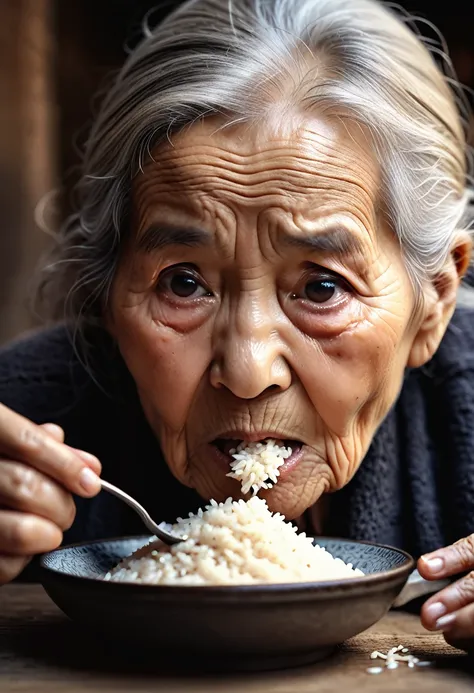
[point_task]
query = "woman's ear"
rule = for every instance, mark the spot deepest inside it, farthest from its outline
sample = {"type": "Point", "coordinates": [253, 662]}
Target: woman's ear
{"type": "Point", "coordinates": [439, 302]}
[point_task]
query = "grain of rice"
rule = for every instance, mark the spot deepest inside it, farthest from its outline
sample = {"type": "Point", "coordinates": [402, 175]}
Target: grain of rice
{"type": "Point", "coordinates": [235, 542]}
{"type": "Point", "coordinates": [396, 656]}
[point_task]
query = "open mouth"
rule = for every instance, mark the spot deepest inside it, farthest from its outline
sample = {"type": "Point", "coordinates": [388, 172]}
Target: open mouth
{"type": "Point", "coordinates": [257, 464]}
{"type": "Point", "coordinates": [229, 445]}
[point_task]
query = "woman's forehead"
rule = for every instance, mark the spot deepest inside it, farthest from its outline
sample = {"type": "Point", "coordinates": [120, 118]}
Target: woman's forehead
{"type": "Point", "coordinates": [324, 168]}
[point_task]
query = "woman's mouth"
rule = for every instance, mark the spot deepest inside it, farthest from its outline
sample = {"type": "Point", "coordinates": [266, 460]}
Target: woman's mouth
{"type": "Point", "coordinates": [224, 447]}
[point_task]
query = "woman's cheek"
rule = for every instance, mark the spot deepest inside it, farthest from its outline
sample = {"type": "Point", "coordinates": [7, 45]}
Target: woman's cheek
{"type": "Point", "coordinates": [371, 362]}
{"type": "Point", "coordinates": [166, 363]}
{"type": "Point", "coordinates": [180, 316]}
{"type": "Point", "coordinates": [352, 380]}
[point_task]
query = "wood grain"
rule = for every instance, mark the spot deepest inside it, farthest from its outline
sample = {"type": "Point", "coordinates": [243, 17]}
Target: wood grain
{"type": "Point", "coordinates": [41, 651]}
{"type": "Point", "coordinates": [28, 159]}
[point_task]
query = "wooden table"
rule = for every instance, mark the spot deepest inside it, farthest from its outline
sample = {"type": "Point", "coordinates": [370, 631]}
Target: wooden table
{"type": "Point", "coordinates": [41, 651]}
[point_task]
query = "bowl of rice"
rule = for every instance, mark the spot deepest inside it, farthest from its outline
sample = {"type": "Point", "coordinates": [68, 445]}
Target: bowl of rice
{"type": "Point", "coordinates": [244, 590]}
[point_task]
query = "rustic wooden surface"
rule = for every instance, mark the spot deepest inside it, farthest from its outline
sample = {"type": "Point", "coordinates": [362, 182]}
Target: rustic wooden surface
{"type": "Point", "coordinates": [41, 651]}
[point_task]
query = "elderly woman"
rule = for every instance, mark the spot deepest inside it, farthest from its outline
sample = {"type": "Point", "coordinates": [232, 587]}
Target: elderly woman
{"type": "Point", "coordinates": [269, 243]}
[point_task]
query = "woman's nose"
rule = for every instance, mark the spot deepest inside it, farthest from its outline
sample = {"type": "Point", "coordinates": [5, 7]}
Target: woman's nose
{"type": "Point", "coordinates": [248, 368]}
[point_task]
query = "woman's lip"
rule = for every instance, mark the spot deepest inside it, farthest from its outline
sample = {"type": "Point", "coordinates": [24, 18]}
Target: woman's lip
{"type": "Point", "coordinates": [290, 463]}
{"type": "Point", "coordinates": [253, 437]}
{"type": "Point", "coordinates": [221, 457]}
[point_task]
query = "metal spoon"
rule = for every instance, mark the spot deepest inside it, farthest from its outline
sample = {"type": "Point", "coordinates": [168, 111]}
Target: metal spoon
{"type": "Point", "coordinates": [416, 587]}
{"type": "Point", "coordinates": [155, 529]}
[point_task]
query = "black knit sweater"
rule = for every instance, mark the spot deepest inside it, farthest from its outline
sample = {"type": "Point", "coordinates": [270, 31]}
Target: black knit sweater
{"type": "Point", "coordinates": [414, 489]}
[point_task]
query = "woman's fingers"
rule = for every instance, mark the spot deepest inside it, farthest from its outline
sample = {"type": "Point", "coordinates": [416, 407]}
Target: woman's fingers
{"type": "Point", "coordinates": [58, 434]}
{"type": "Point", "coordinates": [89, 459]}
{"type": "Point", "coordinates": [38, 473]}
{"type": "Point", "coordinates": [459, 630]}
{"type": "Point", "coordinates": [438, 611]}
{"type": "Point", "coordinates": [22, 440]}
{"type": "Point", "coordinates": [54, 430]}
{"type": "Point", "coordinates": [23, 534]}
{"type": "Point", "coordinates": [24, 488]}
{"type": "Point", "coordinates": [11, 566]}
{"type": "Point", "coordinates": [451, 610]}
{"type": "Point", "coordinates": [454, 559]}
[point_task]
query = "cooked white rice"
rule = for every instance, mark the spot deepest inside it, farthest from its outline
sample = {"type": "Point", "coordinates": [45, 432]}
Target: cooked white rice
{"type": "Point", "coordinates": [256, 465]}
{"type": "Point", "coordinates": [235, 542]}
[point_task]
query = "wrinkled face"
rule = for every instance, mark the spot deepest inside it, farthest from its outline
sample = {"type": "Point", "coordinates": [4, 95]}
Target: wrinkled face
{"type": "Point", "coordinates": [263, 295]}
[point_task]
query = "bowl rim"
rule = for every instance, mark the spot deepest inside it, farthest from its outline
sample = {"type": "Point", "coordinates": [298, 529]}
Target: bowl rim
{"type": "Point", "coordinates": [365, 581]}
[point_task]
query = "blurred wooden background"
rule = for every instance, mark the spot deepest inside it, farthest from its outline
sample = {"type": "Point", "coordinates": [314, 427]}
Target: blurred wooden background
{"type": "Point", "coordinates": [54, 56]}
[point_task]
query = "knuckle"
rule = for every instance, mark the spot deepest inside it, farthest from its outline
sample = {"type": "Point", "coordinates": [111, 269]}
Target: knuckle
{"type": "Point", "coordinates": [31, 439]}
{"type": "Point", "coordinates": [35, 446]}
{"type": "Point", "coordinates": [465, 587]}
{"type": "Point", "coordinates": [465, 550]}
{"type": "Point", "coordinates": [26, 484]}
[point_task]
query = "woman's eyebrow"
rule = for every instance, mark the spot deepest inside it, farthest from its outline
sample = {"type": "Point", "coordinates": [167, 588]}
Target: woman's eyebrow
{"type": "Point", "coordinates": [336, 240]}
{"type": "Point", "coordinates": [159, 236]}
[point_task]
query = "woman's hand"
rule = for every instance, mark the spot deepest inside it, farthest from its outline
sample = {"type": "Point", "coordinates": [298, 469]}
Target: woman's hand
{"type": "Point", "coordinates": [38, 474]}
{"type": "Point", "coordinates": [452, 609]}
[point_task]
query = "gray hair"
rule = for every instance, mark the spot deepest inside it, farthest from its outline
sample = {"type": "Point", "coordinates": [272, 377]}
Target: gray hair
{"type": "Point", "coordinates": [354, 59]}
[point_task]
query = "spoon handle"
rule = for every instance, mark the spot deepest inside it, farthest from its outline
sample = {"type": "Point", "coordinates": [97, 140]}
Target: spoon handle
{"type": "Point", "coordinates": [416, 587]}
{"type": "Point", "coordinates": [150, 524]}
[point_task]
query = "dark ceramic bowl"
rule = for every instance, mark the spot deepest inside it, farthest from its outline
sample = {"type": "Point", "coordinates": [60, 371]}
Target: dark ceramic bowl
{"type": "Point", "coordinates": [232, 628]}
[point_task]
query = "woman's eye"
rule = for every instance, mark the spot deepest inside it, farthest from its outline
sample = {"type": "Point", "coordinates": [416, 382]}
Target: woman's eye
{"type": "Point", "coordinates": [320, 290]}
{"type": "Point", "coordinates": [182, 284]}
